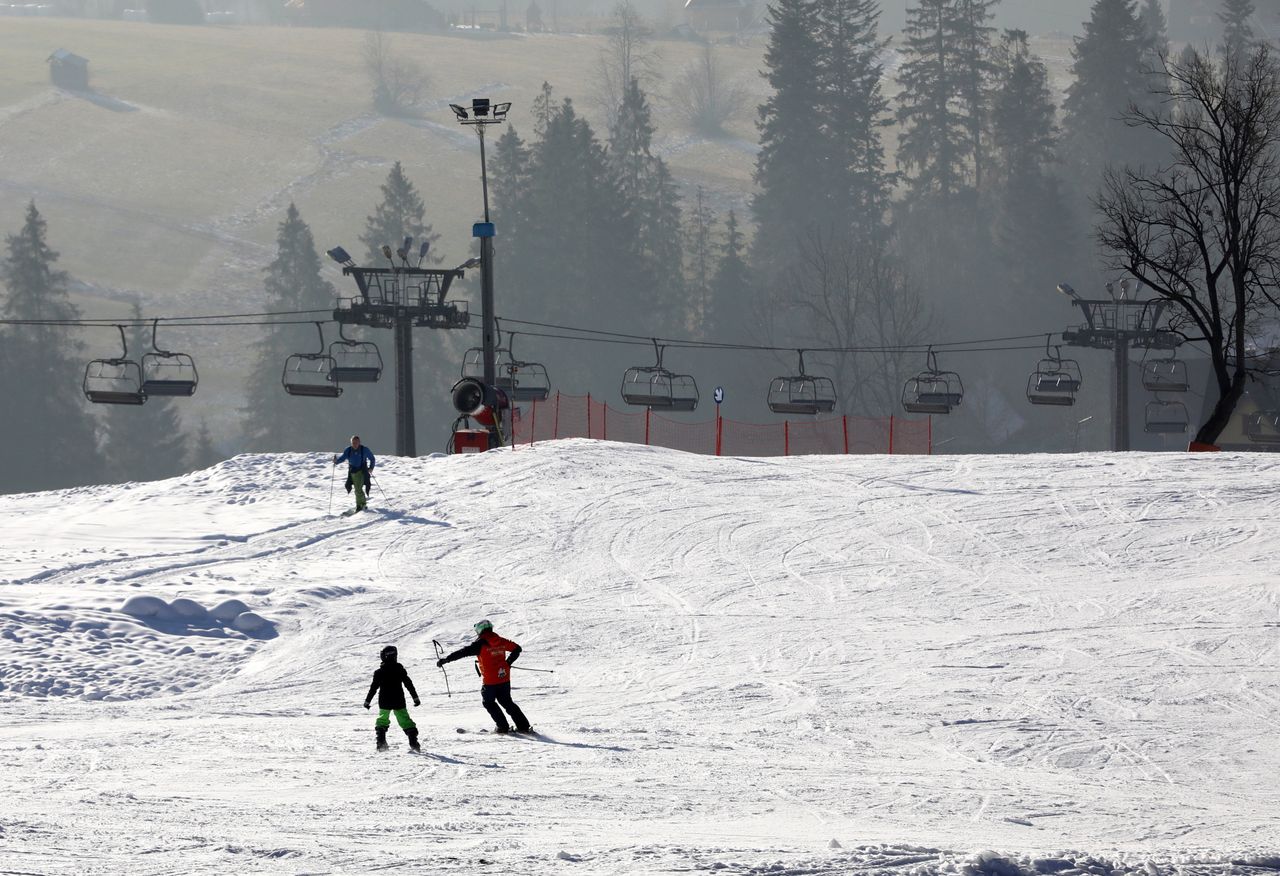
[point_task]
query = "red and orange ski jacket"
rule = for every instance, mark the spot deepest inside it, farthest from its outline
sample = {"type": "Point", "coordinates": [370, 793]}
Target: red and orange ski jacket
{"type": "Point", "coordinates": [490, 651]}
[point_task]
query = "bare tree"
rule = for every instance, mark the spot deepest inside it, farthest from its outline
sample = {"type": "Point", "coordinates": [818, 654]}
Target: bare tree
{"type": "Point", "coordinates": [854, 295]}
{"type": "Point", "coordinates": [704, 97]}
{"type": "Point", "coordinates": [1203, 231]}
{"type": "Point", "coordinates": [399, 83]}
{"type": "Point", "coordinates": [626, 55]}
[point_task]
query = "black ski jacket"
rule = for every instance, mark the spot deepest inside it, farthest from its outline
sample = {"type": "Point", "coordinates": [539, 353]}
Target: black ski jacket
{"type": "Point", "coordinates": [387, 681]}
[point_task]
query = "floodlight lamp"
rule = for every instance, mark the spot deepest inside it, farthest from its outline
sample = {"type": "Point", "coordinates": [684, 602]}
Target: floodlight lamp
{"type": "Point", "coordinates": [472, 262]}
{"type": "Point", "coordinates": [1065, 289]}
{"type": "Point", "coordinates": [386, 251]}
{"type": "Point", "coordinates": [1127, 286]}
{"type": "Point", "coordinates": [408, 244]}
{"type": "Point", "coordinates": [422, 250]}
{"type": "Point", "coordinates": [459, 112]}
{"type": "Point", "coordinates": [480, 106]}
{"type": "Point", "coordinates": [500, 110]}
{"type": "Point", "coordinates": [339, 255]}
{"type": "Point", "coordinates": [1111, 290]}
{"type": "Point", "coordinates": [402, 254]}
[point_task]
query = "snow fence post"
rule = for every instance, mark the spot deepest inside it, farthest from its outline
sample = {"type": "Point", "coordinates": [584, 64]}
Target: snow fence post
{"type": "Point", "coordinates": [533, 422]}
{"type": "Point", "coordinates": [604, 422]}
{"type": "Point", "coordinates": [588, 415]}
{"type": "Point", "coordinates": [786, 437]}
{"type": "Point", "coordinates": [931, 434]}
{"type": "Point", "coordinates": [891, 434]}
{"type": "Point", "coordinates": [845, 422]}
{"type": "Point", "coordinates": [719, 431]}
{"type": "Point", "coordinates": [555, 426]}
{"type": "Point", "coordinates": [647, 412]}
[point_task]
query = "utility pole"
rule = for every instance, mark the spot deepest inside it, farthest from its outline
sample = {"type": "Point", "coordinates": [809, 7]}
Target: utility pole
{"type": "Point", "coordinates": [481, 115]}
{"type": "Point", "coordinates": [1118, 323]}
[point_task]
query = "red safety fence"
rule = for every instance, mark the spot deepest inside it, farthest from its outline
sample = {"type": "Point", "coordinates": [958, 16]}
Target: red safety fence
{"type": "Point", "coordinates": [577, 416]}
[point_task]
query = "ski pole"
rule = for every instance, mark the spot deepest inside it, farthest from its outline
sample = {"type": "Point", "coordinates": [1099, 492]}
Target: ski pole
{"type": "Point", "coordinates": [439, 654]}
{"type": "Point", "coordinates": [378, 484]}
{"type": "Point", "coordinates": [531, 669]}
{"type": "Point", "coordinates": [331, 471]}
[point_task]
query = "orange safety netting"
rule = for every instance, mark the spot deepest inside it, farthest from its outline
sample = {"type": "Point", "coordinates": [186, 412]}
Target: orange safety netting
{"type": "Point", "coordinates": [576, 416]}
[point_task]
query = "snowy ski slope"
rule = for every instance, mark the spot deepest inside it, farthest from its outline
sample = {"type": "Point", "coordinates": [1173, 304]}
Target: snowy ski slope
{"type": "Point", "coordinates": [890, 665]}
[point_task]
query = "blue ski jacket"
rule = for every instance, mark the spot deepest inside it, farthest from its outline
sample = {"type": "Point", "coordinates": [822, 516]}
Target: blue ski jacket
{"type": "Point", "coordinates": [356, 458]}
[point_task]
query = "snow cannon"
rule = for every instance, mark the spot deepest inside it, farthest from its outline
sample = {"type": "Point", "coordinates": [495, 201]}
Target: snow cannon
{"type": "Point", "coordinates": [474, 399]}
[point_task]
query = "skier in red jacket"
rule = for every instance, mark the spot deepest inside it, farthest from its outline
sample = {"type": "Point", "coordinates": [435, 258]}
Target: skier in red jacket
{"type": "Point", "coordinates": [491, 652]}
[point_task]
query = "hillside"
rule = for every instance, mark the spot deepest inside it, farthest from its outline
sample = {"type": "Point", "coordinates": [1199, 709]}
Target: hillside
{"type": "Point", "coordinates": [854, 665]}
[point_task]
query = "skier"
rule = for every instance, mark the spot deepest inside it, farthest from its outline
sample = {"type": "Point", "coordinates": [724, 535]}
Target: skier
{"type": "Point", "coordinates": [360, 469]}
{"type": "Point", "coordinates": [389, 681]}
{"type": "Point", "coordinates": [490, 651]}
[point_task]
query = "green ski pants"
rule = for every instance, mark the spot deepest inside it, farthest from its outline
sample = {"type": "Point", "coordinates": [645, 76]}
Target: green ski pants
{"type": "Point", "coordinates": [357, 481]}
{"type": "Point", "coordinates": [402, 718]}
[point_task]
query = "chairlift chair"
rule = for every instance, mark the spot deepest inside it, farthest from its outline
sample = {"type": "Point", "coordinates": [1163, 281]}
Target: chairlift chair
{"type": "Point", "coordinates": [802, 393]}
{"type": "Point", "coordinates": [1263, 427]}
{"type": "Point", "coordinates": [932, 391]}
{"type": "Point", "coordinates": [1055, 380]}
{"type": "Point", "coordinates": [1166, 374]}
{"type": "Point", "coordinates": [1166, 417]}
{"type": "Point", "coordinates": [522, 381]}
{"type": "Point", "coordinates": [167, 373]}
{"type": "Point", "coordinates": [115, 381]}
{"type": "Point", "coordinates": [653, 386]}
{"type": "Point", "coordinates": [355, 361]}
{"type": "Point", "coordinates": [311, 374]}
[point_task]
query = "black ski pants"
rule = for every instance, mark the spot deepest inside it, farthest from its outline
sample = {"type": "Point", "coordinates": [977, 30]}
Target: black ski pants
{"type": "Point", "coordinates": [495, 695]}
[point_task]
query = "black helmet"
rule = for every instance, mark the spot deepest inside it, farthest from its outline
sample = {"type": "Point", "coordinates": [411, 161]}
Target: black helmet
{"type": "Point", "coordinates": [388, 654]}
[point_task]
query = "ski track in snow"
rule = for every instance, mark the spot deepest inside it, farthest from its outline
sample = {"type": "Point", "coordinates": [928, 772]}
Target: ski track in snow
{"type": "Point", "coordinates": [864, 665]}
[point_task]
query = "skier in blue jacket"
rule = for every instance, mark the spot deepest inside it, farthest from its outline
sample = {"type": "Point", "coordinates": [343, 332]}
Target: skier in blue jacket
{"type": "Point", "coordinates": [360, 469]}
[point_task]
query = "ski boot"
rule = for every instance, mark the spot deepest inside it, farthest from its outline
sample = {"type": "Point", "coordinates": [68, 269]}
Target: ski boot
{"type": "Point", "coordinates": [382, 738]}
{"type": "Point", "coordinates": [502, 730]}
{"type": "Point", "coordinates": [412, 733]}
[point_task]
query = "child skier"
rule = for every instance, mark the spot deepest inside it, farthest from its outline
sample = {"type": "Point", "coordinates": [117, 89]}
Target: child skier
{"type": "Point", "coordinates": [490, 651]}
{"type": "Point", "coordinates": [389, 681]}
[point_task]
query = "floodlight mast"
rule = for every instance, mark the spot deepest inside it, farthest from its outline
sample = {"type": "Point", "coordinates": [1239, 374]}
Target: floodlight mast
{"type": "Point", "coordinates": [482, 114]}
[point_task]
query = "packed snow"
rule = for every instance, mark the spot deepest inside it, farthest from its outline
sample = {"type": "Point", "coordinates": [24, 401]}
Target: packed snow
{"type": "Point", "coordinates": [853, 665]}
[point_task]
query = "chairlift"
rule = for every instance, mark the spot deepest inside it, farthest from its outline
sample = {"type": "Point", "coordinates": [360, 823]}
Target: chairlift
{"type": "Point", "coordinates": [802, 393]}
{"type": "Point", "coordinates": [167, 373]}
{"type": "Point", "coordinates": [354, 361]}
{"type": "Point", "coordinates": [1166, 417]}
{"type": "Point", "coordinates": [522, 381]}
{"type": "Point", "coordinates": [1263, 427]}
{"type": "Point", "coordinates": [116, 381]}
{"type": "Point", "coordinates": [311, 374]}
{"type": "Point", "coordinates": [1055, 380]}
{"type": "Point", "coordinates": [653, 386]}
{"type": "Point", "coordinates": [932, 391]}
{"type": "Point", "coordinates": [1166, 374]}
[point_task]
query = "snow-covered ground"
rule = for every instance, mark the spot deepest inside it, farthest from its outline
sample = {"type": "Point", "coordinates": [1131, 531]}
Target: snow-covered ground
{"type": "Point", "coordinates": [892, 665]}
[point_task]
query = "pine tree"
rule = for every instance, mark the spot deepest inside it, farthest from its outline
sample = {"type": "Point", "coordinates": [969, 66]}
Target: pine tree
{"type": "Point", "coordinates": [147, 442]}
{"type": "Point", "coordinates": [1238, 38]}
{"type": "Point", "coordinates": [203, 453]}
{"type": "Point", "coordinates": [789, 167]}
{"type": "Point", "coordinates": [852, 109]}
{"type": "Point", "coordinates": [40, 379]}
{"type": "Point", "coordinates": [1108, 78]}
{"type": "Point", "coordinates": [972, 35]}
{"type": "Point", "coordinates": [544, 107]}
{"type": "Point", "coordinates": [509, 175]}
{"type": "Point", "coordinates": [731, 292]}
{"type": "Point", "coordinates": [934, 142]}
{"type": "Point", "coordinates": [400, 214]}
{"type": "Point", "coordinates": [1155, 32]}
{"type": "Point", "coordinates": [276, 421]}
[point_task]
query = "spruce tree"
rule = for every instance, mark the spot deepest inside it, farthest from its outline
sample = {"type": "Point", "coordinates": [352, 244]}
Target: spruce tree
{"type": "Point", "coordinates": [544, 107]}
{"type": "Point", "coordinates": [40, 378]}
{"type": "Point", "coordinates": [972, 35]}
{"type": "Point", "coordinates": [1108, 79]}
{"type": "Point", "coordinates": [1155, 32]}
{"type": "Point", "coordinates": [789, 167]}
{"type": "Point", "coordinates": [400, 214]}
{"type": "Point", "coordinates": [652, 206]}
{"type": "Point", "coordinates": [934, 143]}
{"type": "Point", "coordinates": [852, 109]}
{"type": "Point", "coordinates": [1238, 37]}
{"type": "Point", "coordinates": [147, 442]}
{"type": "Point", "coordinates": [509, 180]}
{"type": "Point", "coordinates": [274, 420]}
{"type": "Point", "coordinates": [203, 453]}
{"type": "Point", "coordinates": [730, 293]}
{"type": "Point", "coordinates": [699, 253]}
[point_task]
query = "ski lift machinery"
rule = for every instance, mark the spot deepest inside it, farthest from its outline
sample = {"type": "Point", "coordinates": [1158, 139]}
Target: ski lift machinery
{"type": "Point", "coordinates": [115, 381]}
{"type": "Point", "coordinates": [311, 374]}
{"type": "Point", "coordinates": [167, 373]}
{"type": "Point", "coordinates": [1055, 380]}
{"type": "Point", "coordinates": [932, 391]}
{"type": "Point", "coordinates": [653, 386]}
{"type": "Point", "coordinates": [802, 393]}
{"type": "Point", "coordinates": [354, 361]}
